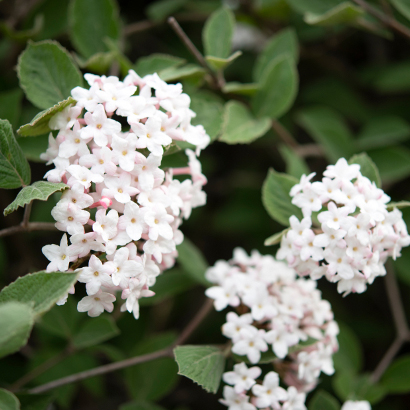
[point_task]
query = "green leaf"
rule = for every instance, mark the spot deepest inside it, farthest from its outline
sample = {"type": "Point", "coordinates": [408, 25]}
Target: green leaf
{"type": "Point", "coordinates": [383, 131]}
{"type": "Point", "coordinates": [328, 129]}
{"type": "Point", "coordinates": [403, 6]}
{"type": "Point", "coordinates": [154, 379]}
{"type": "Point", "coordinates": [217, 33]}
{"type": "Point", "coordinates": [209, 111]}
{"type": "Point", "coordinates": [276, 238]}
{"type": "Point", "coordinates": [277, 88]}
{"type": "Point", "coordinates": [42, 289]}
{"type": "Point", "coordinates": [39, 124]}
{"type": "Point", "coordinates": [341, 14]}
{"type": "Point", "coordinates": [313, 6]}
{"type": "Point", "coordinates": [283, 43]}
{"type": "Point", "coordinates": [170, 283]}
{"type": "Point", "coordinates": [179, 73]}
{"type": "Point", "coordinates": [39, 190]}
{"type": "Point", "coordinates": [295, 165]}
{"type": "Point", "coordinates": [23, 35]}
{"type": "Point", "coordinates": [8, 401]}
{"type": "Point", "coordinates": [10, 105]}
{"type": "Point", "coordinates": [155, 63]}
{"type": "Point", "coordinates": [399, 205]}
{"type": "Point", "coordinates": [161, 9]}
{"type": "Point", "coordinates": [367, 167]}
{"type": "Point", "coordinates": [240, 126]}
{"type": "Point", "coordinates": [349, 357]}
{"type": "Point", "coordinates": [94, 331]}
{"type": "Point", "coordinates": [47, 73]}
{"type": "Point", "coordinates": [239, 88]}
{"type": "Point", "coordinates": [396, 379]}
{"type": "Point", "coordinates": [33, 147]}
{"type": "Point", "coordinates": [393, 162]}
{"type": "Point", "coordinates": [16, 322]}
{"type": "Point", "coordinates": [192, 261]}
{"type": "Point", "coordinates": [218, 63]}
{"type": "Point", "coordinates": [98, 63]}
{"type": "Point", "coordinates": [140, 405]}
{"type": "Point", "coordinates": [357, 387]}
{"type": "Point", "coordinates": [276, 198]}
{"type": "Point", "coordinates": [34, 401]}
{"type": "Point", "coordinates": [91, 22]}
{"type": "Point", "coordinates": [202, 364]}
{"type": "Point", "coordinates": [322, 400]}
{"type": "Point", "coordinates": [391, 79]}
{"type": "Point", "coordinates": [14, 168]}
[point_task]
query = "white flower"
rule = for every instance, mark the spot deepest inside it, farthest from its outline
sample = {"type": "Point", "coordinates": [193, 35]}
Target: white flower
{"type": "Point", "coordinates": [235, 401]}
{"type": "Point", "coordinates": [270, 393]}
{"type": "Point", "coordinates": [356, 405]}
{"type": "Point", "coordinates": [96, 304]}
{"type": "Point", "coordinates": [242, 378]}
{"type": "Point", "coordinates": [251, 343]}
{"type": "Point", "coordinates": [59, 256]}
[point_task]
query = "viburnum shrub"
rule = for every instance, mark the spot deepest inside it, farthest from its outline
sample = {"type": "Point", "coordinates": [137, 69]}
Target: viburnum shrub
{"type": "Point", "coordinates": [114, 169]}
{"type": "Point", "coordinates": [347, 233]}
{"type": "Point", "coordinates": [106, 107]}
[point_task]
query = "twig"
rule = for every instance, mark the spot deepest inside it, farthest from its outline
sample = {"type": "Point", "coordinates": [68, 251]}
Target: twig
{"type": "Point", "coordinates": [388, 21]}
{"type": "Point", "coordinates": [32, 226]}
{"type": "Point", "coordinates": [27, 213]}
{"type": "Point", "coordinates": [309, 150]}
{"type": "Point", "coordinates": [143, 25]}
{"type": "Point", "coordinates": [168, 351]}
{"type": "Point", "coordinates": [43, 367]}
{"type": "Point", "coordinates": [218, 82]}
{"type": "Point", "coordinates": [400, 322]}
{"type": "Point", "coordinates": [284, 134]}
{"type": "Point", "coordinates": [196, 320]}
{"type": "Point", "coordinates": [386, 360]}
{"type": "Point", "coordinates": [395, 302]}
{"type": "Point", "coordinates": [97, 371]}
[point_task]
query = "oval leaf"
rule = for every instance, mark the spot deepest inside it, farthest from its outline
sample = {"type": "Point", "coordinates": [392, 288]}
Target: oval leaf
{"type": "Point", "coordinates": [367, 167]}
{"type": "Point", "coordinates": [322, 400]}
{"type": "Point", "coordinates": [39, 124]}
{"type": "Point", "coordinates": [240, 127]}
{"type": "Point", "coordinates": [327, 128]}
{"type": "Point", "coordinates": [41, 289]}
{"type": "Point", "coordinates": [92, 22]}
{"type": "Point", "coordinates": [8, 401]}
{"type": "Point", "coordinates": [276, 238]}
{"type": "Point", "coordinates": [14, 168]}
{"type": "Point", "coordinates": [16, 322]}
{"type": "Point", "coordinates": [202, 364]}
{"type": "Point", "coordinates": [285, 42]}
{"type": "Point", "coordinates": [192, 261]}
{"type": "Point", "coordinates": [47, 73]}
{"type": "Point", "coordinates": [397, 376]}
{"type": "Point", "coordinates": [95, 331]}
{"type": "Point", "coordinates": [277, 88]}
{"type": "Point", "coordinates": [217, 33]}
{"type": "Point", "coordinates": [276, 198]}
{"type": "Point", "coordinates": [156, 63]}
{"type": "Point", "coordinates": [218, 63]}
{"type": "Point", "coordinates": [343, 13]}
{"type": "Point", "coordinates": [39, 190]}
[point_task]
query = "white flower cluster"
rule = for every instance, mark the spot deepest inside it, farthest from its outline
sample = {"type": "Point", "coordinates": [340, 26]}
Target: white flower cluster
{"type": "Point", "coordinates": [277, 311]}
{"type": "Point", "coordinates": [356, 405]}
{"type": "Point", "coordinates": [109, 150]}
{"type": "Point", "coordinates": [354, 234]}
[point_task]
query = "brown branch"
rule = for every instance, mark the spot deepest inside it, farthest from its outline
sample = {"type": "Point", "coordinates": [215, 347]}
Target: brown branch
{"type": "Point", "coordinates": [194, 323]}
{"type": "Point", "coordinates": [217, 80]}
{"type": "Point", "coordinates": [284, 134]}
{"type": "Point", "coordinates": [30, 227]}
{"type": "Point", "coordinates": [395, 302]}
{"type": "Point", "coordinates": [400, 322]}
{"type": "Point", "coordinates": [97, 371]}
{"type": "Point", "coordinates": [43, 367]}
{"type": "Point", "coordinates": [27, 213]}
{"type": "Point", "coordinates": [388, 21]}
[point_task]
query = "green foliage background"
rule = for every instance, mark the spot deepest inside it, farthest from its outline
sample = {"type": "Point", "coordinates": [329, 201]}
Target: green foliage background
{"type": "Point", "coordinates": [334, 80]}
